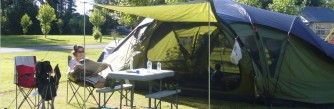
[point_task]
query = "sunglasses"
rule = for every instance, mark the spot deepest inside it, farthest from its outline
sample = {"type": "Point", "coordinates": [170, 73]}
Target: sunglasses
{"type": "Point", "coordinates": [80, 51]}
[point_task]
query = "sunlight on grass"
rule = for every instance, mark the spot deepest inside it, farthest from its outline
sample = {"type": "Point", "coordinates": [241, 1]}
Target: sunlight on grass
{"type": "Point", "coordinates": [7, 91]}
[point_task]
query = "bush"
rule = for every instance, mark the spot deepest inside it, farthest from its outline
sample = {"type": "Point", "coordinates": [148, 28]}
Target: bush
{"type": "Point", "coordinates": [96, 33]}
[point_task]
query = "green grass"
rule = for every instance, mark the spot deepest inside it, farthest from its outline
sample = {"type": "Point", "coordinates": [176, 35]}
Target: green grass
{"type": "Point", "coordinates": [7, 90]}
{"type": "Point", "coordinates": [39, 40]}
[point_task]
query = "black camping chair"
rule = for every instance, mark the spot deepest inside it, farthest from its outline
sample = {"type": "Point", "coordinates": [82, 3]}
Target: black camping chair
{"type": "Point", "coordinates": [47, 84]}
{"type": "Point", "coordinates": [75, 88]}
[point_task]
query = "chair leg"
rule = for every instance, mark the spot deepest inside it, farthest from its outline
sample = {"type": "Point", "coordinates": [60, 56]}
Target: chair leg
{"type": "Point", "coordinates": [91, 94]}
{"type": "Point", "coordinates": [75, 94]}
{"type": "Point", "coordinates": [74, 91]}
{"type": "Point", "coordinates": [67, 91]}
{"type": "Point", "coordinates": [26, 97]}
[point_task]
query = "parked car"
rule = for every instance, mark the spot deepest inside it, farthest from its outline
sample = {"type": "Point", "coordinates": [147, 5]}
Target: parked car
{"type": "Point", "coordinates": [122, 30]}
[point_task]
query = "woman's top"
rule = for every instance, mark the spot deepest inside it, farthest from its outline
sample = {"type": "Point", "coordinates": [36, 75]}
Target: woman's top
{"type": "Point", "coordinates": [72, 63]}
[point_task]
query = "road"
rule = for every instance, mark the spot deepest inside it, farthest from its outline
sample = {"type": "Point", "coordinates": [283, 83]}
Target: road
{"type": "Point", "coordinates": [43, 48]}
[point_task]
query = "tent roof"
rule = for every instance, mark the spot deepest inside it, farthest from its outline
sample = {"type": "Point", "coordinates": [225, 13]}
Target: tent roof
{"type": "Point", "coordinates": [318, 14]}
{"type": "Point", "coordinates": [190, 12]}
{"type": "Point", "coordinates": [230, 12]}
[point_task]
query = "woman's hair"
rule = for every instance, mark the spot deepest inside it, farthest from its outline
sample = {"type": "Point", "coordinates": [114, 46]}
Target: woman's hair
{"type": "Point", "coordinates": [76, 48]}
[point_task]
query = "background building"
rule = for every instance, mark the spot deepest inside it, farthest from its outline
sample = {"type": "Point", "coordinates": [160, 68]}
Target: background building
{"type": "Point", "coordinates": [319, 19]}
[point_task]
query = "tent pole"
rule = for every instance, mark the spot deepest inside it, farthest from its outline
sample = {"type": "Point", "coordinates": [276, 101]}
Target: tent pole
{"type": "Point", "coordinates": [209, 35]}
{"type": "Point", "coordinates": [84, 32]}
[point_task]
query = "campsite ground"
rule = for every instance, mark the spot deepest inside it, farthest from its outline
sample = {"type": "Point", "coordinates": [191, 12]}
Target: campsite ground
{"type": "Point", "coordinates": [7, 90]}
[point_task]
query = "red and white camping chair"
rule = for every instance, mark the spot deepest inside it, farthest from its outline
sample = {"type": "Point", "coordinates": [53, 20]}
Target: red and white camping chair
{"type": "Point", "coordinates": [24, 79]}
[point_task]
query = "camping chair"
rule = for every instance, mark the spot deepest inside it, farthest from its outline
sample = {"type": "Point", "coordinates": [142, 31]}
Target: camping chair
{"type": "Point", "coordinates": [47, 83]}
{"type": "Point", "coordinates": [24, 78]}
{"type": "Point", "coordinates": [75, 88]}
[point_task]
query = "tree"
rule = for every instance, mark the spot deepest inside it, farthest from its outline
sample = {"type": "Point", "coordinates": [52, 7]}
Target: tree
{"type": "Point", "coordinates": [286, 6]}
{"type": "Point", "coordinates": [3, 22]}
{"type": "Point", "coordinates": [25, 22]}
{"type": "Point", "coordinates": [131, 20]}
{"type": "Point", "coordinates": [255, 3]}
{"type": "Point", "coordinates": [74, 25]}
{"type": "Point", "coordinates": [96, 33]}
{"type": "Point", "coordinates": [174, 1]}
{"type": "Point", "coordinates": [68, 7]}
{"type": "Point", "coordinates": [46, 15]}
{"type": "Point", "coordinates": [14, 10]}
{"type": "Point", "coordinates": [60, 24]}
{"type": "Point", "coordinates": [330, 4]}
{"type": "Point", "coordinates": [317, 3]}
{"type": "Point", "coordinates": [97, 20]}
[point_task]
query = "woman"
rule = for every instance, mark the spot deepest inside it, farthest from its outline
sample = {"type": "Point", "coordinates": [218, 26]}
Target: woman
{"type": "Point", "coordinates": [76, 68]}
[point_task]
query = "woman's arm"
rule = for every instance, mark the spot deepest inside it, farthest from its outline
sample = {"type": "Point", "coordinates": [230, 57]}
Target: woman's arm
{"type": "Point", "coordinates": [72, 64]}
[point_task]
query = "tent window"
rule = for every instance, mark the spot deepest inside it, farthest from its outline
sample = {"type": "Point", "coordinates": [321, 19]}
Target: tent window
{"type": "Point", "coordinates": [272, 40]}
{"type": "Point", "coordinates": [228, 76]}
{"type": "Point", "coordinates": [272, 50]}
{"type": "Point", "coordinates": [246, 34]}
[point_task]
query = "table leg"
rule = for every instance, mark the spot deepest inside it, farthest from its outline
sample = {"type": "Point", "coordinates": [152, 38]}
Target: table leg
{"type": "Point", "coordinates": [149, 91]}
{"type": "Point", "coordinates": [132, 93]}
{"type": "Point", "coordinates": [120, 104]}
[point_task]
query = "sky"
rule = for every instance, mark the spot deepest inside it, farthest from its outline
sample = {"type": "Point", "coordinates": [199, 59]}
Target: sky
{"type": "Point", "coordinates": [80, 6]}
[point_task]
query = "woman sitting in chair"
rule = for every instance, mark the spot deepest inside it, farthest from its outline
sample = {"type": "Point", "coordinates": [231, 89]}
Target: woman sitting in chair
{"type": "Point", "coordinates": [76, 69]}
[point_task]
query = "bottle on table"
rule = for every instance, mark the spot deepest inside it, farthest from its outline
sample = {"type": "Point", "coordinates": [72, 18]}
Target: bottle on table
{"type": "Point", "coordinates": [149, 65]}
{"type": "Point", "coordinates": [159, 66]}
{"type": "Point", "coordinates": [131, 63]}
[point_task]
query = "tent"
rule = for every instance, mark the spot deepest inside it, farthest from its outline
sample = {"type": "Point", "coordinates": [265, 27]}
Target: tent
{"type": "Point", "coordinates": [282, 59]}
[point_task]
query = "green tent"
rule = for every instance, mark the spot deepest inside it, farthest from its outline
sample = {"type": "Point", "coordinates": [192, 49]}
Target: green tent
{"type": "Point", "coordinates": [282, 59]}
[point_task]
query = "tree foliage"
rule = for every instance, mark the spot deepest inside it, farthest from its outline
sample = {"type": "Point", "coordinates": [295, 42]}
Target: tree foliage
{"type": "Point", "coordinates": [69, 14]}
{"type": "Point", "coordinates": [25, 22]}
{"type": "Point", "coordinates": [60, 24]}
{"type": "Point", "coordinates": [13, 12]}
{"type": "Point", "coordinates": [286, 6]}
{"type": "Point", "coordinates": [46, 15]}
{"type": "Point", "coordinates": [132, 20]}
{"type": "Point", "coordinates": [96, 33]}
{"type": "Point", "coordinates": [3, 21]}
{"type": "Point", "coordinates": [174, 1]}
{"type": "Point", "coordinates": [329, 4]}
{"type": "Point", "coordinates": [255, 3]}
{"type": "Point", "coordinates": [97, 19]}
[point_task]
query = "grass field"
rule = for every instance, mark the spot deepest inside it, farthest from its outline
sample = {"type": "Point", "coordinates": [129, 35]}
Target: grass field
{"type": "Point", "coordinates": [7, 90]}
{"type": "Point", "coordinates": [39, 40]}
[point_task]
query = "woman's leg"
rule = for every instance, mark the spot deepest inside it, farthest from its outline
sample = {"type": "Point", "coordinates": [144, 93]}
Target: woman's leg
{"type": "Point", "coordinates": [100, 83]}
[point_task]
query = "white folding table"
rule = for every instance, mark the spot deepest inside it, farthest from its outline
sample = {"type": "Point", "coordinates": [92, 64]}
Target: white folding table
{"type": "Point", "coordinates": [140, 75]}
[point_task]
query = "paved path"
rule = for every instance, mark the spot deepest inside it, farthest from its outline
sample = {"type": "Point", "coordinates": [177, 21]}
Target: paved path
{"type": "Point", "coordinates": [43, 48]}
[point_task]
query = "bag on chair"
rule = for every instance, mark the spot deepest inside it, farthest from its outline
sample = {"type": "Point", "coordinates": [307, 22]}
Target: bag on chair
{"type": "Point", "coordinates": [45, 82]}
{"type": "Point", "coordinates": [26, 76]}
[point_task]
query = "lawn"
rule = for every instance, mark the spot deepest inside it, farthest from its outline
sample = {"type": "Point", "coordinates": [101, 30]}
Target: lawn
{"type": "Point", "coordinates": [39, 40]}
{"type": "Point", "coordinates": [7, 90]}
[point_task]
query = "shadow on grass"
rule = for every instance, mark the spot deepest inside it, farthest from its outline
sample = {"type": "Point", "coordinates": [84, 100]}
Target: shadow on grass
{"type": "Point", "coordinates": [27, 40]}
{"type": "Point", "coordinates": [200, 103]}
